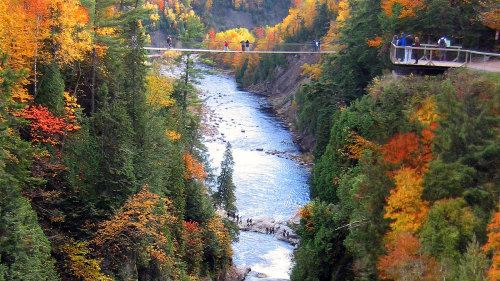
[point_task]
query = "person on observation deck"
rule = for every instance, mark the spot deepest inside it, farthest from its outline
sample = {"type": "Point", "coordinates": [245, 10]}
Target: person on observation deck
{"type": "Point", "coordinates": [401, 43]}
{"type": "Point", "coordinates": [408, 50]}
{"type": "Point", "coordinates": [416, 52]}
{"type": "Point", "coordinates": [442, 45]}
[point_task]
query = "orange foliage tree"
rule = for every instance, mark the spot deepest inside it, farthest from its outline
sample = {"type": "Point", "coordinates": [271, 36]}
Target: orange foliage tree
{"type": "Point", "coordinates": [412, 152]}
{"type": "Point", "coordinates": [493, 246]}
{"type": "Point", "coordinates": [405, 261]}
{"type": "Point", "coordinates": [194, 170]}
{"type": "Point", "coordinates": [193, 245]}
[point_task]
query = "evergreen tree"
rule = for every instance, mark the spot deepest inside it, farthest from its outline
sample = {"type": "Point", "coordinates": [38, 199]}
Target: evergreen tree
{"type": "Point", "coordinates": [24, 248]}
{"type": "Point", "coordinates": [51, 91]}
{"type": "Point", "coordinates": [474, 263]}
{"type": "Point", "coordinates": [224, 197]}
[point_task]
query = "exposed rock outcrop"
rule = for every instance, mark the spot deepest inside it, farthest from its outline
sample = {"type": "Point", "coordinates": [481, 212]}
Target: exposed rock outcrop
{"type": "Point", "coordinates": [270, 226]}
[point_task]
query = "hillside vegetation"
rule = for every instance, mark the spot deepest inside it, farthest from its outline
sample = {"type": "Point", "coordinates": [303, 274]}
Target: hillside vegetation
{"type": "Point", "coordinates": [408, 185]}
{"type": "Point", "coordinates": [405, 182]}
{"type": "Point", "coordinates": [102, 174]}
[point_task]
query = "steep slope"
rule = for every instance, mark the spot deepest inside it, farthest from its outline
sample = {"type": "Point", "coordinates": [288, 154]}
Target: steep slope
{"type": "Point", "coordinates": [280, 90]}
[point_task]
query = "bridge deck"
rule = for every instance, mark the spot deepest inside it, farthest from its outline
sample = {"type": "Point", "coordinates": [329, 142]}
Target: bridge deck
{"type": "Point", "coordinates": [249, 52]}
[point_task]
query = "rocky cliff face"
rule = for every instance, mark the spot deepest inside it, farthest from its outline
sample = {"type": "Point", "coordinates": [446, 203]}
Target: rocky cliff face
{"type": "Point", "coordinates": [280, 92]}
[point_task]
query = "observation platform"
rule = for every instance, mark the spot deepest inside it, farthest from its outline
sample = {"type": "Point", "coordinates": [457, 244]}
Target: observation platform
{"type": "Point", "coordinates": [433, 59]}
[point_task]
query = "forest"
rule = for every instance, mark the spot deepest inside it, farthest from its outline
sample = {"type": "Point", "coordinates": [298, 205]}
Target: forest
{"type": "Point", "coordinates": [103, 175]}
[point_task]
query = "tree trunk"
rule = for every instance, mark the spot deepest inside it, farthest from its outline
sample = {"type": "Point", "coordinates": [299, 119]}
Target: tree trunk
{"type": "Point", "coordinates": [92, 83]}
{"type": "Point", "coordinates": [36, 57]}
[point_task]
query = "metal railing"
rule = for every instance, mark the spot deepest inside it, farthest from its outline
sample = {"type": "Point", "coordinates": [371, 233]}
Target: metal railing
{"type": "Point", "coordinates": [453, 56]}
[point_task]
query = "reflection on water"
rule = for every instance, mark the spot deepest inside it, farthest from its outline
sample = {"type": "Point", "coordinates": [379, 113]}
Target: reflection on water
{"type": "Point", "coordinates": [266, 184]}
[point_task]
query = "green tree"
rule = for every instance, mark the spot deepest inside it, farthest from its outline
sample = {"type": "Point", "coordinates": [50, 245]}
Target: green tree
{"type": "Point", "coordinates": [24, 248]}
{"type": "Point", "coordinates": [51, 93]}
{"type": "Point", "coordinates": [224, 196]}
{"type": "Point", "coordinates": [474, 263]}
{"type": "Point", "coordinates": [321, 254]}
{"type": "Point", "coordinates": [448, 229]}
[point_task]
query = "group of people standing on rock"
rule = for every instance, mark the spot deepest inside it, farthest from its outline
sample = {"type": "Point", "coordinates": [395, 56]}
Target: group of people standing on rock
{"type": "Point", "coordinates": [405, 55]}
{"type": "Point", "coordinates": [270, 230]}
{"type": "Point", "coordinates": [236, 217]}
{"type": "Point", "coordinates": [316, 45]}
{"type": "Point", "coordinates": [286, 234]}
{"type": "Point", "coordinates": [239, 219]}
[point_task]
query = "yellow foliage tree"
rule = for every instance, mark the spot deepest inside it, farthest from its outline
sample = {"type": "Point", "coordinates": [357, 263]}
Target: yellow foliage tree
{"type": "Point", "coordinates": [72, 39]}
{"type": "Point", "coordinates": [159, 89]}
{"type": "Point", "coordinates": [405, 205]}
{"type": "Point", "coordinates": [81, 266]}
{"type": "Point", "coordinates": [409, 7]}
{"type": "Point", "coordinates": [138, 229]}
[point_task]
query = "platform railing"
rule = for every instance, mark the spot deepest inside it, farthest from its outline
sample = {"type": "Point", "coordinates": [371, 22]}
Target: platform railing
{"type": "Point", "coordinates": [453, 56]}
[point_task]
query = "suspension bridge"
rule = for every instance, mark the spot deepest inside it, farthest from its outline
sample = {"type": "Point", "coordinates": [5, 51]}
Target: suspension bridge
{"type": "Point", "coordinates": [193, 50]}
{"type": "Point", "coordinates": [431, 57]}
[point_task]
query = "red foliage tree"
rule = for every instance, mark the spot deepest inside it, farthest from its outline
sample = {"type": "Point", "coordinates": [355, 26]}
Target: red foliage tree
{"type": "Point", "coordinates": [44, 126]}
{"type": "Point", "coordinates": [193, 245]}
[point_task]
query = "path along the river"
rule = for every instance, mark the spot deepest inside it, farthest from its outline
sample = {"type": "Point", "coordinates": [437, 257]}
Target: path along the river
{"type": "Point", "coordinates": [269, 182]}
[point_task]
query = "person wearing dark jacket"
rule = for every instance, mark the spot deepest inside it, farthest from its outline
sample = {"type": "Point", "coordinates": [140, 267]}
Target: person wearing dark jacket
{"type": "Point", "coordinates": [416, 52]}
{"type": "Point", "coordinates": [247, 44]}
{"type": "Point", "coordinates": [408, 50]}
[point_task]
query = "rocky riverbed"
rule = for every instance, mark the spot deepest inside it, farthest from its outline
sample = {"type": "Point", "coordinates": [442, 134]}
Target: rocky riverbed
{"type": "Point", "coordinates": [267, 225]}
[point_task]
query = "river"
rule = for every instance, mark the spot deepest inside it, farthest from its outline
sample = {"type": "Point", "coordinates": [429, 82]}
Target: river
{"type": "Point", "coordinates": [268, 182]}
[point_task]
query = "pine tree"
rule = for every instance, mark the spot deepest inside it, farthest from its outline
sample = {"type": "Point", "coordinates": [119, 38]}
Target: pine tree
{"type": "Point", "coordinates": [24, 248]}
{"type": "Point", "coordinates": [224, 197]}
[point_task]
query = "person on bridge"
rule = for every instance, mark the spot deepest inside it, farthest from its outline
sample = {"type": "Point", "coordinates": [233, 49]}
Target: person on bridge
{"type": "Point", "coordinates": [242, 45]}
{"type": "Point", "coordinates": [247, 43]}
{"type": "Point", "coordinates": [318, 46]}
{"type": "Point", "coordinates": [314, 45]}
{"type": "Point", "coordinates": [169, 42]}
{"type": "Point", "coordinates": [226, 46]}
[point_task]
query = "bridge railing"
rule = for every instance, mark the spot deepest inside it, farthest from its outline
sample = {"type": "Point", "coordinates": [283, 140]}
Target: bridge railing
{"type": "Point", "coordinates": [253, 46]}
{"type": "Point", "coordinates": [453, 56]}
